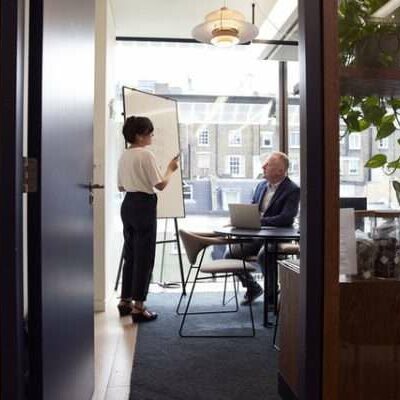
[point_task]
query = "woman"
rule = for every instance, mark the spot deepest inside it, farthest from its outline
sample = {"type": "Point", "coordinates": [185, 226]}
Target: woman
{"type": "Point", "coordinates": [138, 175]}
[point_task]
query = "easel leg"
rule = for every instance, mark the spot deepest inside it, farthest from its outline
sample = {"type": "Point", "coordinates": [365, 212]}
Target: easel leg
{"type": "Point", "coordinates": [180, 257]}
{"type": "Point", "coordinates": [121, 262]}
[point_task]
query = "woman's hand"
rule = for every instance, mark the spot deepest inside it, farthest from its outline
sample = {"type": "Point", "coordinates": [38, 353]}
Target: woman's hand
{"type": "Point", "coordinates": [173, 165]}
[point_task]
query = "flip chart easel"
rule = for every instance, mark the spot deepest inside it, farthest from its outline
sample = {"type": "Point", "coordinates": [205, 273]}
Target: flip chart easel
{"type": "Point", "coordinates": [163, 242]}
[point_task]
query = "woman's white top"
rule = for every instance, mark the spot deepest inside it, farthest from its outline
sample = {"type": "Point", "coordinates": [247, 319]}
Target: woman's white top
{"type": "Point", "coordinates": [138, 171]}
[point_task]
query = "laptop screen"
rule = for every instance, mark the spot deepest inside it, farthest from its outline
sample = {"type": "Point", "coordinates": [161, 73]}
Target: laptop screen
{"type": "Point", "coordinates": [245, 216]}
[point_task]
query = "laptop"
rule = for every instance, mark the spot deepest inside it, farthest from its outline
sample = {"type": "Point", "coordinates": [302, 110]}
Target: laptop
{"type": "Point", "coordinates": [245, 216]}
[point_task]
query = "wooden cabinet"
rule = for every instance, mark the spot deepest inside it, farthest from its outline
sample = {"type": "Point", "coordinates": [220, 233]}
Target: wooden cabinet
{"type": "Point", "coordinates": [369, 337]}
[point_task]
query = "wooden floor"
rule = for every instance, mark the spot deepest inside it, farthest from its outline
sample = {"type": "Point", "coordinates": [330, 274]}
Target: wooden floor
{"type": "Point", "coordinates": [115, 340]}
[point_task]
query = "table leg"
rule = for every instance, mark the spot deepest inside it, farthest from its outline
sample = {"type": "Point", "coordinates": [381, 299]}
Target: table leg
{"type": "Point", "coordinates": [274, 265]}
{"type": "Point", "coordinates": [271, 263]}
{"type": "Point", "coordinates": [267, 253]}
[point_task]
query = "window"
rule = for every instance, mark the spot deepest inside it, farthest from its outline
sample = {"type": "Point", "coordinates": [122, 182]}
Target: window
{"type": "Point", "coordinates": [294, 167]}
{"type": "Point", "coordinates": [349, 166]}
{"type": "Point", "coordinates": [203, 160]}
{"type": "Point", "coordinates": [354, 166]}
{"type": "Point", "coordinates": [294, 139]}
{"type": "Point", "coordinates": [354, 141]}
{"type": "Point", "coordinates": [235, 166]}
{"type": "Point", "coordinates": [187, 191]}
{"type": "Point", "coordinates": [204, 138]}
{"type": "Point", "coordinates": [235, 138]}
{"type": "Point", "coordinates": [174, 248]}
{"type": "Point", "coordinates": [230, 196]}
{"type": "Point", "coordinates": [383, 143]}
{"type": "Point", "coordinates": [266, 139]}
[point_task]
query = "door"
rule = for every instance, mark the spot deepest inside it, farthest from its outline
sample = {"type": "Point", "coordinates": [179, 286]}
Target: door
{"type": "Point", "coordinates": [11, 118]}
{"type": "Point", "coordinates": [60, 232]}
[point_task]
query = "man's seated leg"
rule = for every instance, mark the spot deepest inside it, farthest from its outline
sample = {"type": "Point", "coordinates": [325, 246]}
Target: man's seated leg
{"type": "Point", "coordinates": [269, 271]}
{"type": "Point", "coordinates": [239, 251]}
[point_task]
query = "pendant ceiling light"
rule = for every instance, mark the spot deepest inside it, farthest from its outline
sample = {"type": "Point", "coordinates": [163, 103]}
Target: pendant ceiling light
{"type": "Point", "coordinates": [224, 28]}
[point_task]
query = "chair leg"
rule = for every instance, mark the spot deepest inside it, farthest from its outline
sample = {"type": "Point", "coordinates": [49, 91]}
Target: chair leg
{"type": "Point", "coordinates": [187, 280]}
{"type": "Point", "coordinates": [178, 312]}
{"type": "Point", "coordinates": [186, 313]}
{"type": "Point", "coordinates": [188, 304]}
{"type": "Point", "coordinates": [235, 283]}
{"type": "Point", "coordinates": [223, 297]}
{"type": "Point", "coordinates": [276, 328]}
{"type": "Point", "coordinates": [250, 305]}
{"type": "Point", "coordinates": [235, 290]}
{"type": "Point", "coordinates": [253, 329]}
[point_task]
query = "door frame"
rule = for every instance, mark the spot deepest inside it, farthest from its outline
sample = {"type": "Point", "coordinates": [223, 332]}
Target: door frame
{"type": "Point", "coordinates": [319, 273]}
{"type": "Point", "coordinates": [11, 250]}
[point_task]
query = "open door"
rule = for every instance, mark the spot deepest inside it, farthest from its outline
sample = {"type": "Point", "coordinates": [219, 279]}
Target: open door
{"type": "Point", "coordinates": [60, 233]}
{"type": "Point", "coordinates": [11, 118]}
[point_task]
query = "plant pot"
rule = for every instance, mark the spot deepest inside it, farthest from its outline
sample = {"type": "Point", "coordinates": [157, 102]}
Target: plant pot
{"type": "Point", "coordinates": [369, 51]}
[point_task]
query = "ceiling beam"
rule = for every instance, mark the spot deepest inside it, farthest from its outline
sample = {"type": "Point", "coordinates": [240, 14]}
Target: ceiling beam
{"type": "Point", "coordinates": [187, 40]}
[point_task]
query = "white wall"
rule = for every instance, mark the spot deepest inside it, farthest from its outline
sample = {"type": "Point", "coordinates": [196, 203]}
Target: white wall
{"type": "Point", "coordinates": [108, 145]}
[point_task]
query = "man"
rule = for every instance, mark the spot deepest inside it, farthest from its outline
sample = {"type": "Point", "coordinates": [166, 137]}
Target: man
{"type": "Point", "coordinates": [278, 199]}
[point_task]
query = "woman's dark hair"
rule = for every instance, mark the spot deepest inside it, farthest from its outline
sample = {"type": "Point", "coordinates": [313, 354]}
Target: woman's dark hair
{"type": "Point", "coordinates": [136, 126]}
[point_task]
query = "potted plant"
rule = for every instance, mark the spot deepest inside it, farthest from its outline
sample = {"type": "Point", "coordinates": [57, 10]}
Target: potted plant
{"type": "Point", "coordinates": [364, 40]}
{"type": "Point", "coordinates": [372, 43]}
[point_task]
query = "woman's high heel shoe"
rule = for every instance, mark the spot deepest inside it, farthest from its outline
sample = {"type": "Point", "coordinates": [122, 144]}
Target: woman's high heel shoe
{"type": "Point", "coordinates": [125, 309]}
{"type": "Point", "coordinates": [143, 316]}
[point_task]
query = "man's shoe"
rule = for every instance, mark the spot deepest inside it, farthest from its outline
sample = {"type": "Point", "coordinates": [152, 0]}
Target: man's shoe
{"type": "Point", "coordinates": [251, 295]}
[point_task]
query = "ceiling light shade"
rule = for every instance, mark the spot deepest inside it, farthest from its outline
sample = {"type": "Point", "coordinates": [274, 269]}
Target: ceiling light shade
{"type": "Point", "coordinates": [225, 27]}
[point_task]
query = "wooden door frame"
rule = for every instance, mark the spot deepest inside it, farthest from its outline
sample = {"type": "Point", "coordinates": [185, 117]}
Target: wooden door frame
{"type": "Point", "coordinates": [11, 265]}
{"type": "Point", "coordinates": [319, 97]}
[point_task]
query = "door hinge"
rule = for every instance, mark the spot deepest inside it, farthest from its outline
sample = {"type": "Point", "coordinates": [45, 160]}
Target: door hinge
{"type": "Point", "coordinates": [30, 177]}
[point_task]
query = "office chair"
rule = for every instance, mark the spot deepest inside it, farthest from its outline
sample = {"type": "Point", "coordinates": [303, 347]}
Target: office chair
{"type": "Point", "coordinates": [195, 244]}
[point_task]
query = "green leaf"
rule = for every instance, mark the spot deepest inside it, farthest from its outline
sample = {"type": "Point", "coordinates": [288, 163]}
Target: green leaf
{"type": "Point", "coordinates": [364, 124]}
{"type": "Point", "coordinates": [373, 112]}
{"type": "Point", "coordinates": [345, 105]}
{"type": "Point", "coordinates": [396, 186]}
{"type": "Point", "coordinates": [395, 103]}
{"type": "Point", "coordinates": [398, 141]}
{"type": "Point", "coordinates": [371, 101]}
{"type": "Point", "coordinates": [385, 130]}
{"type": "Point", "coordinates": [378, 160]}
{"type": "Point", "coordinates": [394, 164]}
{"type": "Point", "coordinates": [354, 121]}
{"type": "Point", "coordinates": [388, 118]}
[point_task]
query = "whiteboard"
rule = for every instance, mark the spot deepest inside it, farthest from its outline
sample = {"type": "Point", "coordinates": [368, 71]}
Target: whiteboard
{"type": "Point", "coordinates": [163, 112]}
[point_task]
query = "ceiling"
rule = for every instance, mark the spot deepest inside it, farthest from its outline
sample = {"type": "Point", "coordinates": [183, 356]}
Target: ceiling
{"type": "Point", "coordinates": [176, 19]}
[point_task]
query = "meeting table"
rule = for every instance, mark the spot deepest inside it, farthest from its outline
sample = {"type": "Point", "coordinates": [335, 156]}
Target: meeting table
{"type": "Point", "coordinates": [271, 236]}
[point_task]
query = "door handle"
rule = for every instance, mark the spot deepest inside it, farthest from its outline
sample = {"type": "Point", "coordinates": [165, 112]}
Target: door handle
{"type": "Point", "coordinates": [95, 186]}
{"type": "Point", "coordinates": [92, 186]}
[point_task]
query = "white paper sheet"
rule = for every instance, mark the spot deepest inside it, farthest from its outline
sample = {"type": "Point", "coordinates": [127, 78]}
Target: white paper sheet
{"type": "Point", "coordinates": [348, 256]}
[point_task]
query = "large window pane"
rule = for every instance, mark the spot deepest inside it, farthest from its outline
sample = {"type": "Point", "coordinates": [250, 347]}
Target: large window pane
{"type": "Point", "coordinates": [227, 123]}
{"type": "Point", "coordinates": [293, 121]}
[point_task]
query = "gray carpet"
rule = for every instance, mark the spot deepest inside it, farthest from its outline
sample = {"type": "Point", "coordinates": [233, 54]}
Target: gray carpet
{"type": "Point", "coordinates": [167, 367]}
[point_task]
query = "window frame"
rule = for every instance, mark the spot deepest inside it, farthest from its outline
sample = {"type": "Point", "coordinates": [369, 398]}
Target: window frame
{"type": "Point", "coordinates": [241, 165]}
{"type": "Point", "coordinates": [263, 135]}
{"type": "Point", "coordinates": [355, 141]}
{"type": "Point", "coordinates": [232, 134]}
{"type": "Point", "coordinates": [201, 132]}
